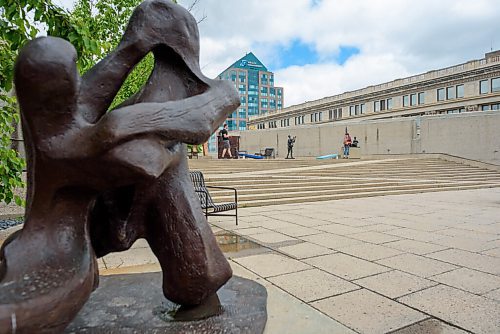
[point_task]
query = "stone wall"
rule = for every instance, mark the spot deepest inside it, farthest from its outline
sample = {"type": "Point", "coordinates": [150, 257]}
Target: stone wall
{"type": "Point", "coordinates": [468, 135]}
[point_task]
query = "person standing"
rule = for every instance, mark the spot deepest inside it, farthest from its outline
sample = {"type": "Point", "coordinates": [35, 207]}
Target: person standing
{"type": "Point", "coordinates": [290, 143]}
{"type": "Point", "coordinates": [225, 142]}
{"type": "Point", "coordinates": [347, 145]}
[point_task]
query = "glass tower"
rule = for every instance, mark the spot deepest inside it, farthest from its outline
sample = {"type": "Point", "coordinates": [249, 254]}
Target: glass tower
{"type": "Point", "coordinates": [255, 84]}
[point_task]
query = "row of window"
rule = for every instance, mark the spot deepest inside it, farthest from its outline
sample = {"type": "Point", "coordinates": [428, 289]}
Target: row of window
{"type": "Point", "coordinates": [450, 93]}
{"type": "Point", "coordinates": [317, 117]}
{"type": "Point", "coordinates": [285, 122]}
{"type": "Point", "coordinates": [410, 100]}
{"type": "Point", "coordinates": [484, 86]}
{"type": "Point", "coordinates": [335, 113]}
{"type": "Point", "coordinates": [486, 107]}
{"type": "Point", "coordinates": [414, 99]}
{"type": "Point", "coordinates": [357, 109]}
{"type": "Point", "coordinates": [299, 120]}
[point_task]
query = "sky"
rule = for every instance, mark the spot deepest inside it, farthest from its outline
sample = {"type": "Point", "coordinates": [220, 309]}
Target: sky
{"type": "Point", "coordinates": [320, 48]}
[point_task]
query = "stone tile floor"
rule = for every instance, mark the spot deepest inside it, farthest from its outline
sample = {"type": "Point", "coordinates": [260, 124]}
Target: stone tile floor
{"type": "Point", "coordinates": [419, 263]}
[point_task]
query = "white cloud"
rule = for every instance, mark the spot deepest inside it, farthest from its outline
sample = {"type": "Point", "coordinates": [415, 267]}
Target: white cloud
{"type": "Point", "coordinates": [395, 38]}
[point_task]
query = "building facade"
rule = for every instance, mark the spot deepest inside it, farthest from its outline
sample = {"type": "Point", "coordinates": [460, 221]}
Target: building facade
{"type": "Point", "coordinates": [255, 84]}
{"type": "Point", "coordinates": [469, 87]}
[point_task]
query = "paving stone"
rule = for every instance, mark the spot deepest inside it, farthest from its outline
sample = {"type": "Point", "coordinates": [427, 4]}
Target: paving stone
{"type": "Point", "coordinates": [374, 237]}
{"type": "Point", "coordinates": [131, 257]}
{"type": "Point", "coordinates": [430, 326]}
{"type": "Point", "coordinates": [271, 237]}
{"type": "Point", "coordinates": [415, 247]}
{"type": "Point", "coordinates": [287, 314]}
{"type": "Point", "coordinates": [339, 229]}
{"type": "Point", "coordinates": [469, 280]}
{"type": "Point", "coordinates": [267, 265]}
{"type": "Point", "coordinates": [297, 231]}
{"type": "Point", "coordinates": [370, 252]}
{"type": "Point", "coordinates": [273, 224]}
{"type": "Point", "coordinates": [299, 219]}
{"type": "Point", "coordinates": [329, 240]}
{"type": "Point", "coordinates": [417, 265]}
{"type": "Point", "coordinates": [368, 312]}
{"type": "Point", "coordinates": [464, 243]}
{"type": "Point", "coordinates": [395, 283]}
{"type": "Point", "coordinates": [252, 230]}
{"type": "Point", "coordinates": [415, 235]}
{"type": "Point", "coordinates": [471, 312]}
{"type": "Point", "coordinates": [492, 252]}
{"type": "Point", "coordinates": [312, 284]}
{"type": "Point", "coordinates": [346, 266]}
{"type": "Point", "coordinates": [495, 295]}
{"type": "Point", "coordinates": [305, 250]}
{"type": "Point", "coordinates": [488, 264]}
{"type": "Point", "coordinates": [380, 227]}
{"type": "Point", "coordinates": [470, 234]}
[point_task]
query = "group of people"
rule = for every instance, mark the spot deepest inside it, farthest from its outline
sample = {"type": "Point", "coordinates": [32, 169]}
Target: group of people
{"type": "Point", "coordinates": [348, 143]}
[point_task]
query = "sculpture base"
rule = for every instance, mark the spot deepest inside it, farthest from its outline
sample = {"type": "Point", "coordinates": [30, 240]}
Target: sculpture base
{"type": "Point", "coordinates": [134, 303]}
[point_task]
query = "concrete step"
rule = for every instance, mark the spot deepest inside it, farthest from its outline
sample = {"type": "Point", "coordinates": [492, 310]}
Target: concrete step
{"type": "Point", "coordinates": [291, 200]}
{"type": "Point", "coordinates": [315, 192]}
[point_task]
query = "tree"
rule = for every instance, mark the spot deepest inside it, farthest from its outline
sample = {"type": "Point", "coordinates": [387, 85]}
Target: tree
{"type": "Point", "coordinates": [94, 27]}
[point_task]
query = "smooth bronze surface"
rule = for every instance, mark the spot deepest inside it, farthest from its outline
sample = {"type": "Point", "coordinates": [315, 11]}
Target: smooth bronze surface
{"type": "Point", "coordinates": [98, 180]}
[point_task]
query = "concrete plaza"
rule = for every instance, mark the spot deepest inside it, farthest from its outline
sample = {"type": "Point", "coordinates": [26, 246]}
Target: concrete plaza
{"type": "Point", "coordinates": [408, 263]}
{"type": "Point", "coordinates": [417, 263]}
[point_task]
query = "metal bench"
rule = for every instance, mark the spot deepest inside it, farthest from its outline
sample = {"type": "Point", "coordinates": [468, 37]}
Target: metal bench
{"type": "Point", "coordinates": [207, 203]}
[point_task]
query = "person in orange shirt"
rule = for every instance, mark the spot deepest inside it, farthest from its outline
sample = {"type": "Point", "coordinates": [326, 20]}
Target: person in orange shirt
{"type": "Point", "coordinates": [347, 145]}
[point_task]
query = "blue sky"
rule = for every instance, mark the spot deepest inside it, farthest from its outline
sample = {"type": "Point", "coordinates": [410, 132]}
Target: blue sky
{"type": "Point", "coordinates": [298, 53]}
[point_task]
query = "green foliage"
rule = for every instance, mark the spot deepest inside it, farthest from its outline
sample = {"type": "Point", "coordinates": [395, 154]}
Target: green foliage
{"type": "Point", "coordinates": [12, 165]}
{"type": "Point", "coordinates": [94, 27]}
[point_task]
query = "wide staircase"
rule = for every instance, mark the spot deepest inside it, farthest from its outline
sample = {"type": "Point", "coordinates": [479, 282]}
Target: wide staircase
{"type": "Point", "coordinates": [268, 182]}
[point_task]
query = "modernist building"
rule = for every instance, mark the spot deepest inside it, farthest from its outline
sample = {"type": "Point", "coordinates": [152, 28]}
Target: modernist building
{"type": "Point", "coordinates": [469, 87]}
{"type": "Point", "coordinates": [255, 85]}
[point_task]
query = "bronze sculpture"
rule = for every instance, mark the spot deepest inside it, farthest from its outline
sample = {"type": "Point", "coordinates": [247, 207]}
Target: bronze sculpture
{"type": "Point", "coordinates": [98, 180]}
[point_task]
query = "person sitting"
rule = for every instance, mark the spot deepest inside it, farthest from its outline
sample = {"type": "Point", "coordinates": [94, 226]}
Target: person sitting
{"type": "Point", "coordinates": [355, 142]}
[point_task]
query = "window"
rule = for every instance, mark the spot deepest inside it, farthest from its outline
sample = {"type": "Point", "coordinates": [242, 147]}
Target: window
{"type": "Point", "coordinates": [460, 91]}
{"type": "Point", "coordinates": [351, 110]}
{"type": "Point", "coordinates": [495, 106]}
{"type": "Point", "coordinates": [242, 125]}
{"type": "Point", "coordinates": [382, 104]}
{"type": "Point", "coordinates": [339, 113]}
{"type": "Point", "coordinates": [495, 85]}
{"type": "Point", "coordinates": [484, 87]}
{"type": "Point", "coordinates": [363, 108]}
{"type": "Point", "coordinates": [440, 94]}
{"type": "Point", "coordinates": [413, 99]}
{"type": "Point", "coordinates": [312, 118]}
{"type": "Point", "coordinates": [406, 101]}
{"type": "Point", "coordinates": [376, 106]}
{"type": "Point", "coordinates": [389, 103]}
{"type": "Point", "coordinates": [450, 92]}
{"type": "Point", "coordinates": [356, 109]}
{"type": "Point", "coordinates": [242, 113]}
{"type": "Point", "coordinates": [485, 107]}
{"type": "Point", "coordinates": [320, 116]}
{"type": "Point", "coordinates": [421, 98]}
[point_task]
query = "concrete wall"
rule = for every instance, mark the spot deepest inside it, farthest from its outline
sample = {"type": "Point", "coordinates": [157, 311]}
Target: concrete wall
{"type": "Point", "coordinates": [469, 135]}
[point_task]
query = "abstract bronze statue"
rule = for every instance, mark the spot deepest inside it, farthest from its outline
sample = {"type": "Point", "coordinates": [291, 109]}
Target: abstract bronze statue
{"type": "Point", "coordinates": [98, 180]}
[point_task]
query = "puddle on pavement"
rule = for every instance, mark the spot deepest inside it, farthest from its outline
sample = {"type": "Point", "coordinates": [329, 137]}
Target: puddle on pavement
{"type": "Point", "coordinates": [234, 245]}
